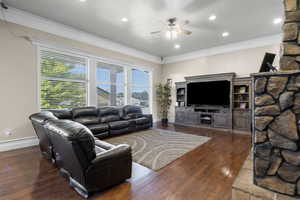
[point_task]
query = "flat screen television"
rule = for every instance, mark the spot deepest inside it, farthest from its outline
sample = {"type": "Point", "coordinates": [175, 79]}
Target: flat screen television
{"type": "Point", "coordinates": [215, 93]}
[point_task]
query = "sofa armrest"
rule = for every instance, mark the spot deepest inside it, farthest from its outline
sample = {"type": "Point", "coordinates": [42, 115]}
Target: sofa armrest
{"type": "Point", "coordinates": [118, 152]}
{"type": "Point", "coordinates": [109, 168]}
{"type": "Point", "coordinates": [149, 116]}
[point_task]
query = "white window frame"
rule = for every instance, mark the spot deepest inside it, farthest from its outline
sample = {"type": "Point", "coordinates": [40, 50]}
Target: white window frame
{"type": "Point", "coordinates": [111, 83]}
{"type": "Point", "coordinates": [131, 85]}
{"type": "Point", "coordinates": [91, 81]}
{"type": "Point", "coordinates": [40, 77]}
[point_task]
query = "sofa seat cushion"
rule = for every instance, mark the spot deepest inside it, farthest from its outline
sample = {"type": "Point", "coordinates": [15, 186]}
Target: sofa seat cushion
{"type": "Point", "coordinates": [142, 120]}
{"type": "Point", "coordinates": [118, 125]}
{"type": "Point", "coordinates": [134, 115]}
{"type": "Point", "coordinates": [98, 128]}
{"type": "Point", "coordinates": [101, 135]}
{"type": "Point", "coordinates": [109, 118]}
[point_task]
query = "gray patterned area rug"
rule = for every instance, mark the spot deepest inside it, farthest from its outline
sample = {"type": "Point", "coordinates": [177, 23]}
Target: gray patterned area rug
{"type": "Point", "coordinates": [156, 148]}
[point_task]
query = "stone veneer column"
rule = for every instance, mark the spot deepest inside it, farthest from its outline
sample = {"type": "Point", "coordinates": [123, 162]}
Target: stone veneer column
{"type": "Point", "coordinates": [277, 115]}
{"type": "Point", "coordinates": [276, 137]}
{"type": "Point", "coordinates": [291, 40]}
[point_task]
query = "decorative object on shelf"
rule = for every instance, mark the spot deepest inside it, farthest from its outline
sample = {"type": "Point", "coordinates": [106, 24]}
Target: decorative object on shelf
{"type": "Point", "coordinates": [181, 104]}
{"type": "Point", "coordinates": [242, 90]}
{"type": "Point", "coordinates": [243, 106]}
{"type": "Point", "coordinates": [164, 101]}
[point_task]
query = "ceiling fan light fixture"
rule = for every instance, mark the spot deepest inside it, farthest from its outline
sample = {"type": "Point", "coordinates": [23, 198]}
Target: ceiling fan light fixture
{"type": "Point", "coordinates": [124, 19]}
{"type": "Point", "coordinates": [173, 29]}
{"type": "Point", "coordinates": [212, 17]}
{"type": "Point", "coordinates": [177, 46]}
{"type": "Point", "coordinates": [225, 34]}
{"type": "Point", "coordinates": [171, 34]}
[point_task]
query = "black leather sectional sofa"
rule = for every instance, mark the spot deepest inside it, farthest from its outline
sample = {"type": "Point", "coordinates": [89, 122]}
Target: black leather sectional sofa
{"type": "Point", "coordinates": [71, 139]}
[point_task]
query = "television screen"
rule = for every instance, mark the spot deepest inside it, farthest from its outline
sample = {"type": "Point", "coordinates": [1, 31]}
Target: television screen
{"type": "Point", "coordinates": [209, 93]}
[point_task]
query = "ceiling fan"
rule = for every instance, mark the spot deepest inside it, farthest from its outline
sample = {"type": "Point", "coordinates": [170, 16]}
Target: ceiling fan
{"type": "Point", "coordinates": [174, 29]}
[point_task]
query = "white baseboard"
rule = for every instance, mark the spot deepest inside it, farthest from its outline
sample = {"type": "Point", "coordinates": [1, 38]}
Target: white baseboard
{"type": "Point", "coordinates": [9, 145]}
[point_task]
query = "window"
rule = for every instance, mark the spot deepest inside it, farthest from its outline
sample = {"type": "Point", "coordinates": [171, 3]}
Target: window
{"type": "Point", "coordinates": [110, 80]}
{"type": "Point", "coordinates": [140, 89]}
{"type": "Point", "coordinates": [63, 80]}
{"type": "Point", "coordinates": [69, 80]}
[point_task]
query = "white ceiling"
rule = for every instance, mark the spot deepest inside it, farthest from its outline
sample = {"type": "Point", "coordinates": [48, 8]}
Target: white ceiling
{"type": "Point", "coordinates": [244, 20]}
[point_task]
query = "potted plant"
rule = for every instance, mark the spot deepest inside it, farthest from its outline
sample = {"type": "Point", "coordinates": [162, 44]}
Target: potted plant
{"type": "Point", "coordinates": [163, 95]}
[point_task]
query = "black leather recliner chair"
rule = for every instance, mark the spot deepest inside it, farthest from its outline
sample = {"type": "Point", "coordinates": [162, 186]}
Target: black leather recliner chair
{"type": "Point", "coordinates": [91, 165]}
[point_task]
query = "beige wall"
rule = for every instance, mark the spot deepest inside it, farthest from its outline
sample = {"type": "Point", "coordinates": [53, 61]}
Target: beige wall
{"type": "Point", "coordinates": [243, 63]}
{"type": "Point", "coordinates": [18, 75]}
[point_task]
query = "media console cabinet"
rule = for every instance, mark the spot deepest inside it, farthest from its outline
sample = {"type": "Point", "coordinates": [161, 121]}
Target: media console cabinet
{"type": "Point", "coordinates": [235, 116]}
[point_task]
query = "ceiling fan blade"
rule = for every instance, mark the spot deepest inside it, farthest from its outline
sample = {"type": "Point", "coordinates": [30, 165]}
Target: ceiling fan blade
{"type": "Point", "coordinates": [187, 32]}
{"type": "Point", "coordinates": [155, 32]}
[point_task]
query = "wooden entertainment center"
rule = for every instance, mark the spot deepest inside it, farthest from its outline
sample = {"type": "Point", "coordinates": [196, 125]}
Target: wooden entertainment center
{"type": "Point", "coordinates": [236, 115]}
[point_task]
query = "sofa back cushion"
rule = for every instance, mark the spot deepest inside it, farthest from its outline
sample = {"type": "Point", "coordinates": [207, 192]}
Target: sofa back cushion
{"type": "Point", "coordinates": [132, 112]}
{"type": "Point", "coordinates": [73, 141]}
{"type": "Point", "coordinates": [109, 114]}
{"type": "Point", "coordinates": [42, 117]}
{"type": "Point", "coordinates": [62, 113]}
{"type": "Point", "coordinates": [85, 115]}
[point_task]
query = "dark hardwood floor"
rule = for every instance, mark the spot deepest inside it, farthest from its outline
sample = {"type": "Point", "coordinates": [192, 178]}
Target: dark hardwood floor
{"type": "Point", "coordinates": [206, 173]}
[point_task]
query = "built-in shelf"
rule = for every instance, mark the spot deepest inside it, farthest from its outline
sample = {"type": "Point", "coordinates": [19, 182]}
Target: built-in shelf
{"type": "Point", "coordinates": [242, 104]}
{"type": "Point", "coordinates": [241, 98]}
{"type": "Point", "coordinates": [180, 94]}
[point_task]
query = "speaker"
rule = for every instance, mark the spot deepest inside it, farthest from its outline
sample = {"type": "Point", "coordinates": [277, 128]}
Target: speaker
{"type": "Point", "coordinates": [267, 64]}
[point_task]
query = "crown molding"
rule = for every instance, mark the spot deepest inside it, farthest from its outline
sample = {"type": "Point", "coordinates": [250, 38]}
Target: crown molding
{"type": "Point", "coordinates": [258, 42]}
{"type": "Point", "coordinates": [33, 21]}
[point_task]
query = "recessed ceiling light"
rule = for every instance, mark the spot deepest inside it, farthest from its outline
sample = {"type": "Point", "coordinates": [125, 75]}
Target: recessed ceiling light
{"type": "Point", "coordinates": [177, 46]}
{"type": "Point", "coordinates": [124, 19]}
{"type": "Point", "coordinates": [225, 34]}
{"type": "Point", "coordinates": [277, 21]}
{"type": "Point", "coordinates": [212, 17]}
{"type": "Point", "coordinates": [82, 0]}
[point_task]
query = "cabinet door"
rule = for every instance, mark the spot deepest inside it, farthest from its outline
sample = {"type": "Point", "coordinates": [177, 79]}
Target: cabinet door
{"type": "Point", "coordinates": [180, 117]}
{"type": "Point", "coordinates": [242, 120]}
{"type": "Point", "coordinates": [192, 118]}
{"type": "Point", "coordinates": [222, 120]}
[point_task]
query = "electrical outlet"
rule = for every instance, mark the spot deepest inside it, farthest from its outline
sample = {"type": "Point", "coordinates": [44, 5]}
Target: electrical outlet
{"type": "Point", "coordinates": [7, 131]}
